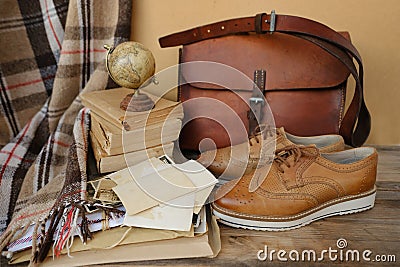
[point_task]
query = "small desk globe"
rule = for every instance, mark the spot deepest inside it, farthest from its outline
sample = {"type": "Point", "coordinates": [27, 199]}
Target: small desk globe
{"type": "Point", "coordinates": [130, 65]}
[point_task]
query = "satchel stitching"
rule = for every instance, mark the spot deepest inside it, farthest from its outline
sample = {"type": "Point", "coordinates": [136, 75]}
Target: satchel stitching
{"type": "Point", "coordinates": [179, 96]}
{"type": "Point", "coordinates": [342, 104]}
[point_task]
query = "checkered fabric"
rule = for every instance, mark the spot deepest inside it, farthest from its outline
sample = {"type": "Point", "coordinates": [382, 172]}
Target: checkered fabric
{"type": "Point", "coordinates": [56, 48]}
{"type": "Point", "coordinates": [31, 36]}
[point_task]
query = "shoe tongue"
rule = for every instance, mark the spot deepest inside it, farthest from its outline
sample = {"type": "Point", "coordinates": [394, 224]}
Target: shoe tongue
{"type": "Point", "coordinates": [281, 131]}
{"type": "Point", "coordinates": [311, 150]}
{"type": "Point", "coordinates": [282, 140]}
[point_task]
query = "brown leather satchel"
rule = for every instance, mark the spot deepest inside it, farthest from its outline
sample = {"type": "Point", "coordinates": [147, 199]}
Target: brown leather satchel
{"type": "Point", "coordinates": [304, 66]}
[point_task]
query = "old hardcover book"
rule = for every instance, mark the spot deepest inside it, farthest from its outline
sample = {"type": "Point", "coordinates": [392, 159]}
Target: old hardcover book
{"type": "Point", "coordinates": [106, 104]}
{"type": "Point", "coordinates": [106, 163]}
{"type": "Point", "coordinates": [113, 140]}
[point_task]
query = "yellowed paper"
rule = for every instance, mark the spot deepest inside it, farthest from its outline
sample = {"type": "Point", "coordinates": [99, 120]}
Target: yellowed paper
{"type": "Point", "coordinates": [176, 215]}
{"type": "Point", "coordinates": [148, 185]}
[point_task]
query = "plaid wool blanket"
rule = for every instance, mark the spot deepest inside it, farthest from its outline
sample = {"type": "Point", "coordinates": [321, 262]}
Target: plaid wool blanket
{"type": "Point", "coordinates": [51, 51]}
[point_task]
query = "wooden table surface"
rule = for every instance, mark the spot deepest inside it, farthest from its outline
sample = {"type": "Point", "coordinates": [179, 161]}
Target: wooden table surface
{"type": "Point", "coordinates": [377, 230]}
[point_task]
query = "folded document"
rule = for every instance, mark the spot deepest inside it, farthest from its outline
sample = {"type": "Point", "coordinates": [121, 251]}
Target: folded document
{"type": "Point", "coordinates": [162, 195]}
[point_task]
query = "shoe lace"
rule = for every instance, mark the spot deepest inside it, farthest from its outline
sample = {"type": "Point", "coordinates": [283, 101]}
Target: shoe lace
{"type": "Point", "coordinates": [282, 156]}
{"type": "Point", "coordinates": [264, 131]}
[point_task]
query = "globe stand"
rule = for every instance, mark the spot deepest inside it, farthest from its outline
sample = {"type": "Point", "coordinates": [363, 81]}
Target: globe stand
{"type": "Point", "coordinates": [131, 65]}
{"type": "Point", "coordinates": [137, 102]}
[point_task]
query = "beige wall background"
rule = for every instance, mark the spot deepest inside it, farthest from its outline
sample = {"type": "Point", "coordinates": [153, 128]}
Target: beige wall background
{"type": "Point", "coordinates": [373, 25]}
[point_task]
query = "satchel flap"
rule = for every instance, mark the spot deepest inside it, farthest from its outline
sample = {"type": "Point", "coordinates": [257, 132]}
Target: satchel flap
{"type": "Point", "coordinates": [290, 62]}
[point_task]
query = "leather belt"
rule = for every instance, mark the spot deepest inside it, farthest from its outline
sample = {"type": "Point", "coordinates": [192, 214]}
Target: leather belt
{"type": "Point", "coordinates": [315, 32]}
{"type": "Point", "coordinates": [269, 23]}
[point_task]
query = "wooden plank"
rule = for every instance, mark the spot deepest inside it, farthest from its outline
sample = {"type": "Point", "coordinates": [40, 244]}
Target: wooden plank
{"type": "Point", "coordinates": [388, 161]}
{"type": "Point", "coordinates": [391, 177]}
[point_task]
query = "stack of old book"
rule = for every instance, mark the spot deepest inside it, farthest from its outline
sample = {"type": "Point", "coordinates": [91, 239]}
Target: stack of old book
{"type": "Point", "coordinates": [121, 138]}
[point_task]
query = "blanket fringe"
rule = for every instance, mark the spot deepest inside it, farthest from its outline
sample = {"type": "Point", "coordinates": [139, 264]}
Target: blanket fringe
{"type": "Point", "coordinates": [84, 229]}
{"type": "Point", "coordinates": [66, 230]}
{"type": "Point", "coordinates": [34, 241]}
{"type": "Point", "coordinates": [63, 224]}
{"type": "Point", "coordinates": [62, 229]}
{"type": "Point", "coordinates": [20, 234]}
{"type": "Point", "coordinates": [12, 236]}
{"type": "Point", "coordinates": [48, 239]}
{"type": "Point", "coordinates": [6, 237]}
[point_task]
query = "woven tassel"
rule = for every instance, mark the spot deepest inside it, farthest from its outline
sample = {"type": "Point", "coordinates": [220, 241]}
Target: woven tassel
{"type": "Point", "coordinates": [67, 230]}
{"type": "Point", "coordinates": [6, 237]}
{"type": "Point", "coordinates": [58, 232]}
{"type": "Point", "coordinates": [34, 241]}
{"type": "Point", "coordinates": [63, 231]}
{"type": "Point", "coordinates": [54, 221]}
{"type": "Point", "coordinates": [21, 233]}
{"type": "Point", "coordinates": [63, 226]}
{"type": "Point", "coordinates": [110, 211]}
{"type": "Point", "coordinates": [74, 229]}
{"type": "Point", "coordinates": [42, 234]}
{"type": "Point", "coordinates": [14, 237]}
{"type": "Point", "coordinates": [84, 229]}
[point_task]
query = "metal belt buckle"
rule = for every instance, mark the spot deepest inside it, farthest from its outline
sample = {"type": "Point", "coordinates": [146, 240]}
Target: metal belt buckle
{"type": "Point", "coordinates": [272, 22]}
{"type": "Point", "coordinates": [255, 113]}
{"type": "Point", "coordinates": [256, 100]}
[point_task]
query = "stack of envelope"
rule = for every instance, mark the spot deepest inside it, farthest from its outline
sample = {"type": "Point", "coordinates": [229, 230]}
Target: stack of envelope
{"type": "Point", "coordinates": [163, 195]}
{"type": "Point", "coordinates": [162, 216]}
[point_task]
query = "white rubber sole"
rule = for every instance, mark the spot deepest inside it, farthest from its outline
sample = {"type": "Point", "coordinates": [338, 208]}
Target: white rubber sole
{"type": "Point", "coordinates": [360, 204]}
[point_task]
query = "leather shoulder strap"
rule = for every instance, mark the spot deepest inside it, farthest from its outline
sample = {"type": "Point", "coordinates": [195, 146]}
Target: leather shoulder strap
{"type": "Point", "coordinates": [315, 32]}
{"type": "Point", "coordinates": [269, 23]}
{"type": "Point", "coordinates": [357, 111]}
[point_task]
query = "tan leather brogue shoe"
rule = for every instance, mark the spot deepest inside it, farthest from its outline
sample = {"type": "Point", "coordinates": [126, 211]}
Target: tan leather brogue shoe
{"type": "Point", "coordinates": [231, 161]}
{"type": "Point", "coordinates": [302, 186]}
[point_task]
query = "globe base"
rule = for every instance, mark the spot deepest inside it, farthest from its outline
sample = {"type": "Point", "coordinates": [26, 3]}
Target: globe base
{"type": "Point", "coordinates": [137, 102]}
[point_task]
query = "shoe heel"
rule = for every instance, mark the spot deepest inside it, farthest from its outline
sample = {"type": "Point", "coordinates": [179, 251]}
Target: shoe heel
{"type": "Point", "coordinates": [354, 205]}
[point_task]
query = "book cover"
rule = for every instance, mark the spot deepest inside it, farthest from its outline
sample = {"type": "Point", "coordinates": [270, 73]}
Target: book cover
{"type": "Point", "coordinates": [114, 140]}
{"type": "Point", "coordinates": [106, 163]}
{"type": "Point", "coordinates": [106, 104]}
